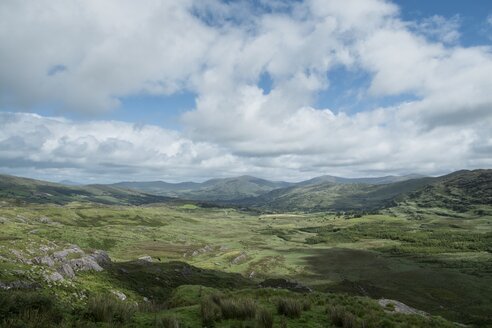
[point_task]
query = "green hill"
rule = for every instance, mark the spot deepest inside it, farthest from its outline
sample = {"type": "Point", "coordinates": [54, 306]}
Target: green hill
{"type": "Point", "coordinates": [23, 190]}
{"type": "Point", "coordinates": [454, 191]}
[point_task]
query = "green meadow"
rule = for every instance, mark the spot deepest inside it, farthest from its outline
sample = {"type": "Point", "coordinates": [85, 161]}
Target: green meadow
{"type": "Point", "coordinates": [438, 262]}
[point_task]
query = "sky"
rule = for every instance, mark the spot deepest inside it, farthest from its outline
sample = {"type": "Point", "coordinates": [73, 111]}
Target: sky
{"type": "Point", "coordinates": [104, 91]}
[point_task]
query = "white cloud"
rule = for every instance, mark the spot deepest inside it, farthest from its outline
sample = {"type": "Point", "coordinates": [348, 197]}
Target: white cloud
{"type": "Point", "coordinates": [83, 55]}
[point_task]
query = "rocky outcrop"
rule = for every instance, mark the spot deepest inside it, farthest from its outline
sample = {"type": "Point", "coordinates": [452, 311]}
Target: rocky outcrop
{"type": "Point", "coordinates": [53, 277]}
{"type": "Point", "coordinates": [145, 259]}
{"type": "Point", "coordinates": [85, 263]}
{"type": "Point", "coordinates": [43, 260]}
{"type": "Point", "coordinates": [392, 306]}
{"type": "Point", "coordinates": [119, 295]}
{"type": "Point", "coordinates": [239, 259]}
{"type": "Point", "coordinates": [66, 271]}
{"type": "Point", "coordinates": [101, 257]}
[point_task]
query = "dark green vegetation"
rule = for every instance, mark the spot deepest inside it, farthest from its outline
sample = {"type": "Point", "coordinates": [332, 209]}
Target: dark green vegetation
{"type": "Point", "coordinates": [22, 190]}
{"type": "Point", "coordinates": [211, 190]}
{"type": "Point", "coordinates": [428, 247]}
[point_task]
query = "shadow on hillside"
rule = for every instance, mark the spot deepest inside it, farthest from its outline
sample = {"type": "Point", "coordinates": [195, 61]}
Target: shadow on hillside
{"type": "Point", "coordinates": [157, 280]}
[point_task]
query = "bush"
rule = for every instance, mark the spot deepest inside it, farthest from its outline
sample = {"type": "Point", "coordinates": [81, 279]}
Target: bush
{"type": "Point", "coordinates": [238, 308]}
{"type": "Point", "coordinates": [289, 307]}
{"type": "Point", "coordinates": [167, 322]}
{"type": "Point", "coordinates": [264, 319]}
{"type": "Point", "coordinates": [103, 308]}
{"type": "Point", "coordinates": [210, 311]}
{"type": "Point", "coordinates": [341, 317]}
{"type": "Point", "coordinates": [28, 309]}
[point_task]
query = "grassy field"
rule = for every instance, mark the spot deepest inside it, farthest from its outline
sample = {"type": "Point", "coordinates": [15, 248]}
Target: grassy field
{"type": "Point", "coordinates": [438, 262]}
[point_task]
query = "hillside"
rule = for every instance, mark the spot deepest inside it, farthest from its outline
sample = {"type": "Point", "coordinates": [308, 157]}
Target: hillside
{"type": "Point", "coordinates": [456, 190]}
{"type": "Point", "coordinates": [210, 190]}
{"type": "Point", "coordinates": [23, 190]}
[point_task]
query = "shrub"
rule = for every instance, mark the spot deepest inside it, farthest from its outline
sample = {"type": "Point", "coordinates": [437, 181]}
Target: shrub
{"type": "Point", "coordinates": [264, 319]}
{"type": "Point", "coordinates": [210, 311]}
{"type": "Point", "coordinates": [103, 308]}
{"type": "Point", "coordinates": [289, 307]}
{"type": "Point", "coordinates": [341, 317]}
{"type": "Point", "coordinates": [167, 322]}
{"type": "Point", "coordinates": [28, 309]}
{"type": "Point", "coordinates": [238, 308]}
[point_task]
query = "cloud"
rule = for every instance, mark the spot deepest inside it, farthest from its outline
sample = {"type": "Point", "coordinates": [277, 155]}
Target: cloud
{"type": "Point", "coordinates": [86, 55]}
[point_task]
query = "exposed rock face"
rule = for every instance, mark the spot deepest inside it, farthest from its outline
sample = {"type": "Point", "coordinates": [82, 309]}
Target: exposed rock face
{"type": "Point", "coordinates": [66, 271]}
{"type": "Point", "coordinates": [145, 259]}
{"type": "Point", "coordinates": [119, 294]}
{"type": "Point", "coordinates": [239, 259]}
{"type": "Point", "coordinates": [62, 255]}
{"type": "Point", "coordinates": [393, 306]}
{"type": "Point", "coordinates": [101, 257]}
{"type": "Point", "coordinates": [43, 260]}
{"type": "Point", "coordinates": [44, 220]}
{"type": "Point", "coordinates": [20, 257]}
{"type": "Point", "coordinates": [85, 263]}
{"type": "Point", "coordinates": [55, 276]}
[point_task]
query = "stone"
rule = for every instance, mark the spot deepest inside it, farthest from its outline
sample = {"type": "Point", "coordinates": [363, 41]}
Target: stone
{"type": "Point", "coordinates": [66, 271]}
{"type": "Point", "coordinates": [239, 259]}
{"type": "Point", "coordinates": [101, 257]}
{"type": "Point", "coordinates": [145, 259]}
{"type": "Point", "coordinates": [85, 264]}
{"type": "Point", "coordinates": [43, 260]}
{"type": "Point", "coordinates": [119, 294]}
{"type": "Point", "coordinates": [44, 220]}
{"type": "Point", "coordinates": [53, 277]}
{"type": "Point", "coordinates": [399, 307]}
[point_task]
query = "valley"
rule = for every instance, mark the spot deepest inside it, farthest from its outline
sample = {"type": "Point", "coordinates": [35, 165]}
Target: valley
{"type": "Point", "coordinates": [176, 263]}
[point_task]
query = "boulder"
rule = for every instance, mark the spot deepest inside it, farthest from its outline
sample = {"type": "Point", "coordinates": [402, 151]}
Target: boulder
{"type": "Point", "coordinates": [43, 260]}
{"type": "Point", "coordinates": [239, 259]}
{"type": "Point", "coordinates": [101, 257]}
{"type": "Point", "coordinates": [145, 259]}
{"type": "Point", "coordinates": [66, 271]}
{"type": "Point", "coordinates": [44, 220]}
{"type": "Point", "coordinates": [119, 295]}
{"type": "Point", "coordinates": [85, 263]}
{"type": "Point", "coordinates": [52, 277]}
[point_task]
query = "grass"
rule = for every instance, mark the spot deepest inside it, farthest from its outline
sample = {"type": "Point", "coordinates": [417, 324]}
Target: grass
{"type": "Point", "coordinates": [439, 263]}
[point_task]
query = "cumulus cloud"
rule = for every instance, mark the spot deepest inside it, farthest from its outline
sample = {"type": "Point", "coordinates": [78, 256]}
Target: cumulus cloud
{"type": "Point", "coordinates": [86, 55]}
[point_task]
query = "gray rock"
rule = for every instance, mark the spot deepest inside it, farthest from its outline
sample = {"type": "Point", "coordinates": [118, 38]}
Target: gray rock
{"type": "Point", "coordinates": [119, 294]}
{"type": "Point", "coordinates": [52, 277]}
{"type": "Point", "coordinates": [3, 220]}
{"type": "Point", "coordinates": [44, 220]}
{"type": "Point", "coordinates": [66, 271]}
{"type": "Point", "coordinates": [145, 259]}
{"type": "Point", "coordinates": [85, 263]}
{"type": "Point", "coordinates": [101, 257]}
{"type": "Point", "coordinates": [61, 255]}
{"type": "Point", "coordinates": [20, 257]}
{"type": "Point", "coordinates": [239, 259]}
{"type": "Point", "coordinates": [43, 260]}
{"type": "Point", "coordinates": [399, 307]}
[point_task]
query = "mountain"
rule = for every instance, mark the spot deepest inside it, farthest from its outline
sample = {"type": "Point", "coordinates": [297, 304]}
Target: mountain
{"type": "Point", "coordinates": [210, 190]}
{"type": "Point", "coordinates": [456, 190]}
{"type": "Point", "coordinates": [375, 181]}
{"type": "Point", "coordinates": [238, 188]}
{"type": "Point", "coordinates": [21, 190]}
{"type": "Point", "coordinates": [69, 183]}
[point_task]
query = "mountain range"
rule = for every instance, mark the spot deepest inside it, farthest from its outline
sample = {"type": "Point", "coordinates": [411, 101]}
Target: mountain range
{"type": "Point", "coordinates": [456, 190]}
